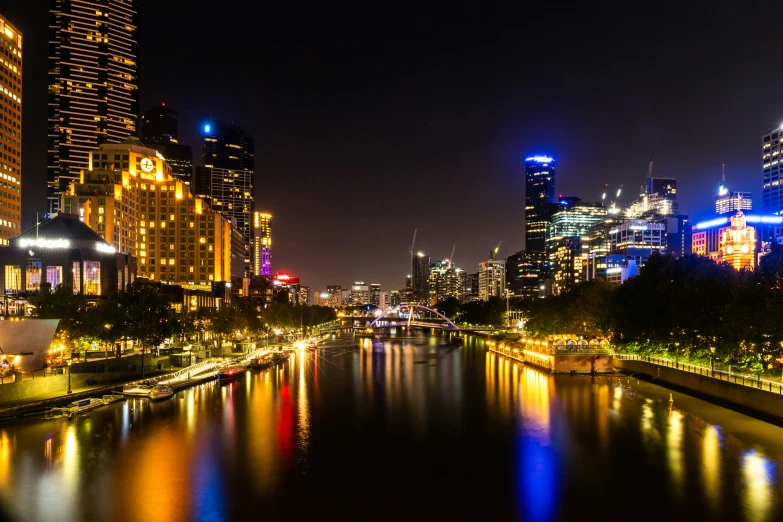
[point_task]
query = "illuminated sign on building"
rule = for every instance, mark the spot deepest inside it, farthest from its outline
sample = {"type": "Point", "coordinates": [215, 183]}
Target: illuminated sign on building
{"type": "Point", "coordinates": [44, 243]}
{"type": "Point", "coordinates": [102, 247]}
{"type": "Point", "coordinates": [540, 159]}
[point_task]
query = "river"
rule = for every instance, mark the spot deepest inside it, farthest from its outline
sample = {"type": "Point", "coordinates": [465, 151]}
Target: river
{"type": "Point", "coordinates": [406, 429]}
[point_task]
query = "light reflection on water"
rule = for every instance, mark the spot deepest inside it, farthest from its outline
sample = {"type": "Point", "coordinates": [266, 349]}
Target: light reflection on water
{"type": "Point", "coordinates": [333, 433]}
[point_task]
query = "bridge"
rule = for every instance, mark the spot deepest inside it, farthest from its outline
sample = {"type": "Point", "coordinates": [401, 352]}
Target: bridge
{"type": "Point", "coordinates": [416, 316]}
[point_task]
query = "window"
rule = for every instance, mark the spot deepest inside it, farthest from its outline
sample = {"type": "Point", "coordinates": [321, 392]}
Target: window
{"type": "Point", "coordinates": [13, 279]}
{"type": "Point", "coordinates": [77, 277]}
{"type": "Point", "coordinates": [33, 275]}
{"type": "Point", "coordinates": [54, 276]}
{"type": "Point", "coordinates": [92, 278]}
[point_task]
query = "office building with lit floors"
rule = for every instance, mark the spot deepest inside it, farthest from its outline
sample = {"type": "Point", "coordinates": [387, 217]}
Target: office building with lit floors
{"type": "Point", "coordinates": [62, 251]}
{"type": "Point", "coordinates": [142, 210]}
{"type": "Point", "coordinates": [525, 272]}
{"type": "Point", "coordinates": [539, 199]}
{"type": "Point", "coordinates": [262, 243]}
{"type": "Point", "coordinates": [93, 84]}
{"type": "Point", "coordinates": [10, 131]}
{"type": "Point", "coordinates": [491, 279]}
{"type": "Point", "coordinates": [771, 179]}
{"type": "Point", "coordinates": [229, 154]}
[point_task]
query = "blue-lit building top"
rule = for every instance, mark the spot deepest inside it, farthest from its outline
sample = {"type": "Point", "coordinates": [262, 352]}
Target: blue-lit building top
{"type": "Point", "coordinates": [539, 197]}
{"type": "Point", "coordinates": [772, 196]}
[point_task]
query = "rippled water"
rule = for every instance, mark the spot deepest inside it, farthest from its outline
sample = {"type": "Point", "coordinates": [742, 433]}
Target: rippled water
{"type": "Point", "coordinates": [409, 429]}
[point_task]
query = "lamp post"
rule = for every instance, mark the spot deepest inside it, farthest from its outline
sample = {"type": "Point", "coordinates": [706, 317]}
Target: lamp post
{"type": "Point", "coordinates": [69, 377]}
{"type": "Point", "coordinates": [677, 352]}
{"type": "Point", "coordinates": [712, 359]}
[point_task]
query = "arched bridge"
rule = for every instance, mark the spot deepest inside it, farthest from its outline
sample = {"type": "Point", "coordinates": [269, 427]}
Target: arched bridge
{"type": "Point", "coordinates": [394, 317]}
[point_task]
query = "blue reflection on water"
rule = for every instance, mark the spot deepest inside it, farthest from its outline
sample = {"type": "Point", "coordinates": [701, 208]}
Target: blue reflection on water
{"type": "Point", "coordinates": [537, 481]}
{"type": "Point", "coordinates": [209, 495]}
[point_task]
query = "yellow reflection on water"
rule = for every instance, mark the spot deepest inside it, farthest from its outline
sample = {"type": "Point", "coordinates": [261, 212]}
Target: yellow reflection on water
{"type": "Point", "coordinates": [710, 466]}
{"type": "Point", "coordinates": [5, 458]}
{"type": "Point", "coordinates": [674, 446]}
{"type": "Point", "coordinates": [757, 477]}
{"type": "Point", "coordinates": [617, 396]}
{"type": "Point", "coordinates": [303, 405]}
{"type": "Point", "coordinates": [534, 403]}
{"type": "Point", "coordinates": [70, 458]}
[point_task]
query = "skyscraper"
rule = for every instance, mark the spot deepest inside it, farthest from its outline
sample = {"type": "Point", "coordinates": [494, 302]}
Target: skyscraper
{"type": "Point", "coordinates": [539, 197]}
{"type": "Point", "coordinates": [445, 281]}
{"type": "Point", "coordinates": [93, 84]}
{"type": "Point", "coordinates": [159, 130]}
{"type": "Point", "coordinates": [419, 278]}
{"type": "Point", "coordinates": [772, 202]}
{"type": "Point", "coordinates": [262, 243]}
{"type": "Point", "coordinates": [10, 132]}
{"type": "Point", "coordinates": [229, 153]}
{"type": "Point", "coordinates": [524, 273]}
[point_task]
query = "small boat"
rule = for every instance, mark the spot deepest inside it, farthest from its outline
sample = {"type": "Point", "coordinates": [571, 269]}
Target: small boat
{"type": "Point", "coordinates": [231, 372]}
{"type": "Point", "coordinates": [141, 389]}
{"type": "Point", "coordinates": [160, 392]}
{"type": "Point", "coordinates": [260, 363]}
{"type": "Point", "coordinates": [81, 405]}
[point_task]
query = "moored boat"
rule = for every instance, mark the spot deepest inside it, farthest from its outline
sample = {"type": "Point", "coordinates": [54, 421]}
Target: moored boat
{"type": "Point", "coordinates": [160, 392]}
{"type": "Point", "coordinates": [231, 372]}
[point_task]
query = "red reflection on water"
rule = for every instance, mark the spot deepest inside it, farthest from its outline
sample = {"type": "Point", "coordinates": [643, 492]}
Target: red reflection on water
{"type": "Point", "coordinates": [285, 423]}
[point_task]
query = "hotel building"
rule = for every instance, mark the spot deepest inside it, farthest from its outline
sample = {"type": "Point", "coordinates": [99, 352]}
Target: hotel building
{"type": "Point", "coordinates": [10, 131]}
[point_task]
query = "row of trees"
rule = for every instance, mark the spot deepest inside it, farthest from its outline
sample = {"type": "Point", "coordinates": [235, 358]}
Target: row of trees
{"type": "Point", "coordinates": [491, 312]}
{"type": "Point", "coordinates": [145, 315]}
{"type": "Point", "coordinates": [689, 307]}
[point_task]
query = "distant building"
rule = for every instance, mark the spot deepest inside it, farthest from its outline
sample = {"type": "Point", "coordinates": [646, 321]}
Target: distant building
{"type": "Point", "coordinates": [539, 197]}
{"type": "Point", "coordinates": [574, 218]}
{"type": "Point", "coordinates": [394, 298]}
{"type": "Point", "coordinates": [360, 294]}
{"type": "Point", "coordinates": [385, 298]}
{"type": "Point", "coordinates": [728, 202]}
{"type": "Point", "coordinates": [664, 187]}
{"type": "Point", "coordinates": [445, 281]}
{"type": "Point", "coordinates": [565, 258]}
{"type": "Point", "coordinates": [288, 289]}
{"type": "Point", "coordinates": [470, 285]}
{"type": "Point", "coordinates": [419, 276]}
{"type": "Point", "coordinates": [738, 243]}
{"type": "Point", "coordinates": [375, 294]}
{"type": "Point", "coordinates": [334, 299]}
{"type": "Point", "coordinates": [525, 272]}
{"type": "Point", "coordinates": [491, 279]}
{"type": "Point", "coordinates": [159, 130]}
{"type": "Point", "coordinates": [93, 84]}
{"type": "Point", "coordinates": [11, 125]}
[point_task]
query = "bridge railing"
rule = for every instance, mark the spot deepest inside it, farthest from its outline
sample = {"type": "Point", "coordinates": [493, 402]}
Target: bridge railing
{"type": "Point", "coordinates": [742, 379]}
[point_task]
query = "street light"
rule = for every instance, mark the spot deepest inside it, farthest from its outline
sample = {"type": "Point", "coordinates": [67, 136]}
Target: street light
{"type": "Point", "coordinates": [712, 359]}
{"type": "Point", "coordinates": [69, 377]}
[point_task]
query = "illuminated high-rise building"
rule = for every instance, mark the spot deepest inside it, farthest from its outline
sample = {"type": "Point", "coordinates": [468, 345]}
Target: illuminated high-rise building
{"type": "Point", "coordinates": [525, 273]}
{"type": "Point", "coordinates": [418, 281]}
{"type": "Point", "coordinates": [491, 279]}
{"type": "Point", "coordinates": [159, 130]}
{"type": "Point", "coordinates": [445, 281]}
{"type": "Point", "coordinates": [539, 199]}
{"type": "Point", "coordinates": [130, 198]}
{"type": "Point", "coordinates": [10, 132]}
{"type": "Point", "coordinates": [771, 161]}
{"type": "Point", "coordinates": [93, 84]}
{"type": "Point", "coordinates": [262, 243]}
{"type": "Point", "coordinates": [229, 154]}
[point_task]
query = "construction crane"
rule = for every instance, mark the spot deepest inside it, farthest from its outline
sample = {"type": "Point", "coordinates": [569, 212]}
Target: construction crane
{"type": "Point", "coordinates": [495, 251]}
{"type": "Point", "coordinates": [649, 174]}
{"type": "Point", "coordinates": [413, 243]}
{"type": "Point", "coordinates": [451, 259]}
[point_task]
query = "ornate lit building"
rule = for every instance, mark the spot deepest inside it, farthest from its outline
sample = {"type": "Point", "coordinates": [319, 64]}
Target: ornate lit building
{"type": "Point", "coordinates": [129, 196]}
{"type": "Point", "coordinates": [738, 243]}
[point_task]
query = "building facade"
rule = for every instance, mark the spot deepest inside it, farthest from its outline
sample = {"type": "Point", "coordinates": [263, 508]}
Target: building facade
{"type": "Point", "coordinates": [730, 201]}
{"type": "Point", "coordinates": [129, 197]}
{"type": "Point", "coordinates": [62, 251]}
{"type": "Point", "coordinates": [525, 272]}
{"type": "Point", "coordinates": [491, 279]}
{"type": "Point", "coordinates": [539, 197]}
{"type": "Point", "coordinates": [262, 243]}
{"type": "Point", "coordinates": [737, 245]}
{"type": "Point", "coordinates": [565, 258]}
{"type": "Point", "coordinates": [159, 131]}
{"type": "Point", "coordinates": [771, 194]}
{"type": "Point", "coordinates": [10, 132]}
{"type": "Point", "coordinates": [93, 84]}
{"type": "Point", "coordinates": [334, 299]}
{"type": "Point", "coordinates": [360, 294]}
{"type": "Point", "coordinates": [418, 281]}
{"type": "Point", "coordinates": [229, 154]}
{"type": "Point", "coordinates": [445, 281]}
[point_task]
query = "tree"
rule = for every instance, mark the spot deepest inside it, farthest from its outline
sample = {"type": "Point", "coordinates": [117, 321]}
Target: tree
{"type": "Point", "coordinates": [149, 315]}
{"type": "Point", "coordinates": [61, 303]}
{"type": "Point", "coordinates": [450, 307]}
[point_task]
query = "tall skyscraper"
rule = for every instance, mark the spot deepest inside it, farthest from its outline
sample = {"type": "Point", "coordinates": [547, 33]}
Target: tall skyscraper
{"type": "Point", "coordinates": [93, 84]}
{"type": "Point", "coordinates": [445, 281]}
{"type": "Point", "coordinates": [229, 153]}
{"type": "Point", "coordinates": [772, 202]}
{"type": "Point", "coordinates": [10, 132]}
{"type": "Point", "coordinates": [159, 129]}
{"type": "Point", "coordinates": [525, 272]}
{"type": "Point", "coordinates": [539, 197]}
{"type": "Point", "coordinates": [262, 243]}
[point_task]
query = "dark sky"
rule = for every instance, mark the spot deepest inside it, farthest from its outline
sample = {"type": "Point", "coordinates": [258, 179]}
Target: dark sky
{"type": "Point", "coordinates": [371, 121]}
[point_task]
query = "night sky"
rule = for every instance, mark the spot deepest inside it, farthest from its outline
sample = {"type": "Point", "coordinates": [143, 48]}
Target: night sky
{"type": "Point", "coordinates": [372, 121]}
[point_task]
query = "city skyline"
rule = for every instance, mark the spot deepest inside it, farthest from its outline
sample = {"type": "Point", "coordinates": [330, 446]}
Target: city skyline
{"type": "Point", "coordinates": [308, 156]}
